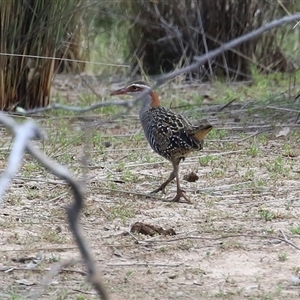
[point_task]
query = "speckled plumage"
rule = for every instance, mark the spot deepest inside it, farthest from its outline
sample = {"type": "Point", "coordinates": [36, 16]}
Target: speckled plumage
{"type": "Point", "coordinates": [169, 134]}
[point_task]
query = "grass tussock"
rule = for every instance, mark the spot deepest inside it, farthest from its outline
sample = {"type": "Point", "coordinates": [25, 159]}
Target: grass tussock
{"type": "Point", "coordinates": [40, 29]}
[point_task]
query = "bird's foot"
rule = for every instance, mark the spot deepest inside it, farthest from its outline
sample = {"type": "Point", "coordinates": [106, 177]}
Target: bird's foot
{"type": "Point", "coordinates": [180, 194]}
{"type": "Point", "coordinates": [160, 189]}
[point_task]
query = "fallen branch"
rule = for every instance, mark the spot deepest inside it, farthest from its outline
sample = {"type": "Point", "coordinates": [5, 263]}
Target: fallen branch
{"type": "Point", "coordinates": [285, 239]}
{"type": "Point", "coordinates": [284, 109]}
{"type": "Point", "coordinates": [51, 272]}
{"type": "Point", "coordinates": [193, 237]}
{"type": "Point", "coordinates": [146, 264]}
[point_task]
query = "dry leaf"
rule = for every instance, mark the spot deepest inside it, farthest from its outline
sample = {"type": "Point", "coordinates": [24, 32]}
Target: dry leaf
{"type": "Point", "coordinates": [24, 282]}
{"type": "Point", "coordinates": [191, 177]}
{"type": "Point", "coordinates": [283, 132]}
{"type": "Point", "coordinates": [147, 229]}
{"type": "Point", "coordinates": [207, 99]}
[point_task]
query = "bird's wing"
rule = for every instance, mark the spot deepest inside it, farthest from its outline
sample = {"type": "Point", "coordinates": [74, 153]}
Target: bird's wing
{"type": "Point", "coordinates": [196, 132]}
{"type": "Point", "coordinates": [170, 133]}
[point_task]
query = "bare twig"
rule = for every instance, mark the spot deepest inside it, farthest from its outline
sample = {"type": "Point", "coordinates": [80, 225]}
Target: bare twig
{"type": "Point", "coordinates": [212, 54]}
{"type": "Point", "coordinates": [78, 109]}
{"type": "Point", "coordinates": [284, 109]}
{"type": "Point", "coordinates": [252, 135]}
{"type": "Point", "coordinates": [285, 239]}
{"type": "Point", "coordinates": [23, 134]}
{"type": "Point", "coordinates": [204, 38]}
{"type": "Point", "coordinates": [227, 104]}
{"type": "Point", "coordinates": [193, 237]}
{"type": "Point", "coordinates": [60, 267]}
{"type": "Point", "coordinates": [146, 264]}
{"type": "Point", "coordinates": [42, 249]}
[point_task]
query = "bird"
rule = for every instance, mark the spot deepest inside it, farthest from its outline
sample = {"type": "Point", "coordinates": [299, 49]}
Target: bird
{"type": "Point", "coordinates": [169, 134]}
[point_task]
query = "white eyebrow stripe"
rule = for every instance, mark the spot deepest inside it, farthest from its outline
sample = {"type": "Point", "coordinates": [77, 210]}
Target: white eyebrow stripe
{"type": "Point", "coordinates": [139, 85]}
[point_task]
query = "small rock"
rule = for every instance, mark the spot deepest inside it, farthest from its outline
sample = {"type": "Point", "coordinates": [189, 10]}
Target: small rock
{"type": "Point", "coordinates": [107, 144]}
{"type": "Point", "coordinates": [295, 280]}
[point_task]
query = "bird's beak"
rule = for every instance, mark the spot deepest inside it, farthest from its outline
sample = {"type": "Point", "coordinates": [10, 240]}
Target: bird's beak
{"type": "Point", "coordinates": [122, 91]}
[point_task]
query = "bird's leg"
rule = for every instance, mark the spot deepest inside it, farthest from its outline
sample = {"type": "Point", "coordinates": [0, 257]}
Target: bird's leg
{"type": "Point", "coordinates": [174, 174]}
{"type": "Point", "coordinates": [180, 192]}
{"type": "Point", "coordinates": [163, 186]}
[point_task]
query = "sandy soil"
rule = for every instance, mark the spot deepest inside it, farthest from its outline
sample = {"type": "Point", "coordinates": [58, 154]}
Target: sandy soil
{"type": "Point", "coordinates": [233, 242]}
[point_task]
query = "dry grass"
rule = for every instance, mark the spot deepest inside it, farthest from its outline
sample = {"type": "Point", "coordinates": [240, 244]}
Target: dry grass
{"type": "Point", "coordinates": [227, 242]}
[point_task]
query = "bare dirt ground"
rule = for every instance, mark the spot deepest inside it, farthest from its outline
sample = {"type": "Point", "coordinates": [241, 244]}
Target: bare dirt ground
{"type": "Point", "coordinates": [239, 239]}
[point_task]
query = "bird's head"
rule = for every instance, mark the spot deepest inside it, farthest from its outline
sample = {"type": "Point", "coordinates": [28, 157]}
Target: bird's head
{"type": "Point", "coordinates": [137, 89]}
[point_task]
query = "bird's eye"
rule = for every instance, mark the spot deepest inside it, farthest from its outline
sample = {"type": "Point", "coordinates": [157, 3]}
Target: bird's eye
{"type": "Point", "coordinates": [134, 88]}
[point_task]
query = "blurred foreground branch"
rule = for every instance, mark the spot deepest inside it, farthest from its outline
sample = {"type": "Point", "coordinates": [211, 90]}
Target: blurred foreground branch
{"type": "Point", "coordinates": [23, 134]}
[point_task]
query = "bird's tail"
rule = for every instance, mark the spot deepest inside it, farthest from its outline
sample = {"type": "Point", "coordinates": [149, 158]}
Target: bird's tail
{"type": "Point", "coordinates": [201, 130]}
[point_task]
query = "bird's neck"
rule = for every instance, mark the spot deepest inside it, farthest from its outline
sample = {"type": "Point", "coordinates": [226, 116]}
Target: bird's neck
{"type": "Point", "coordinates": [155, 100]}
{"type": "Point", "coordinates": [148, 101]}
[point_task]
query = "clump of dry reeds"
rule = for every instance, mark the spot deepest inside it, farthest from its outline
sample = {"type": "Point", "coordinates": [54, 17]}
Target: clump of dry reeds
{"type": "Point", "coordinates": [41, 29]}
{"type": "Point", "coordinates": [168, 34]}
